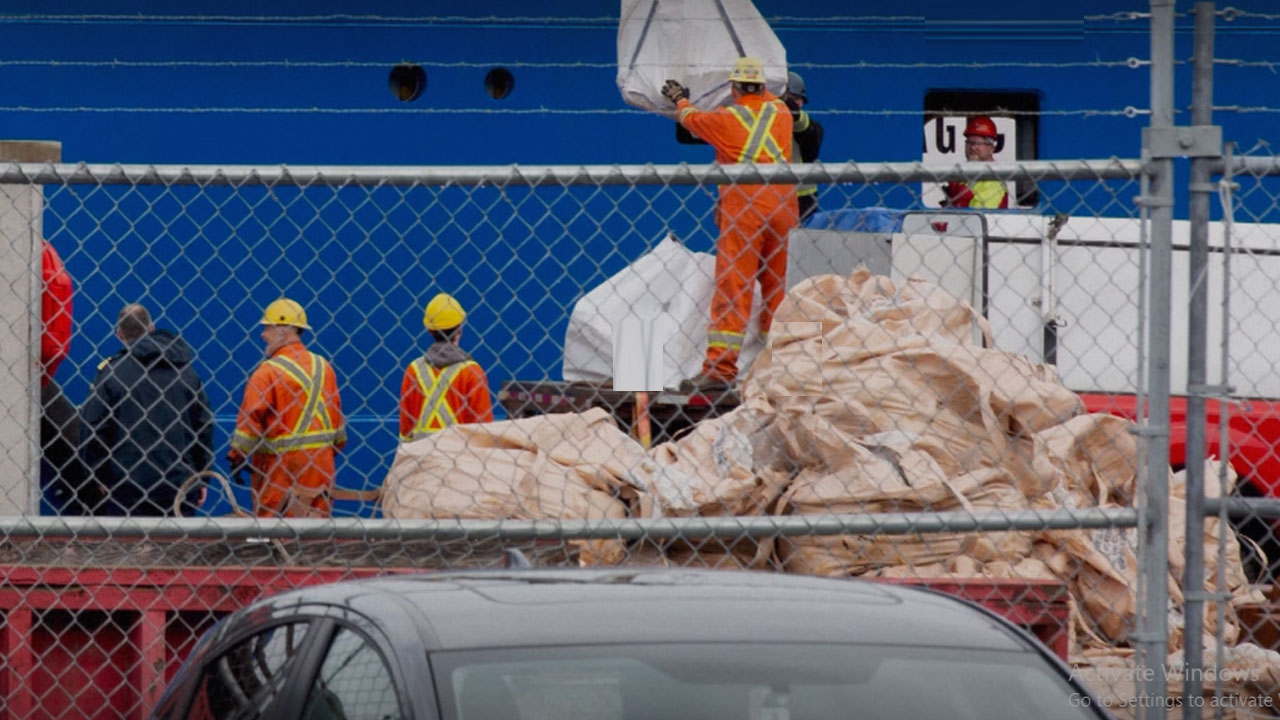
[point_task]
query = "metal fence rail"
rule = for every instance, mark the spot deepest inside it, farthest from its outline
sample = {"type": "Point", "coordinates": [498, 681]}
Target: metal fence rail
{"type": "Point", "coordinates": [519, 530]}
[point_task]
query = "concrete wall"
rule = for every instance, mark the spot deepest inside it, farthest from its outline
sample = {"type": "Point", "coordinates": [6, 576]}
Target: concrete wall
{"type": "Point", "coordinates": [21, 210]}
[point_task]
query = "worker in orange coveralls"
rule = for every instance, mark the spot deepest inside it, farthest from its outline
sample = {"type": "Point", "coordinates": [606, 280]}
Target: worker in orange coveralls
{"type": "Point", "coordinates": [445, 386]}
{"type": "Point", "coordinates": [290, 425]}
{"type": "Point", "coordinates": [754, 219]}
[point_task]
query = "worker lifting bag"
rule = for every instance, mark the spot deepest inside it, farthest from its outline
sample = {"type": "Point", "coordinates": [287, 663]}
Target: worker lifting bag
{"type": "Point", "coordinates": [669, 282]}
{"type": "Point", "coordinates": [695, 42]}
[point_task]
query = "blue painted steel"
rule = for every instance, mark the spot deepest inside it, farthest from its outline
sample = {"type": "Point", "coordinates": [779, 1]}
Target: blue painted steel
{"type": "Point", "coordinates": [517, 258]}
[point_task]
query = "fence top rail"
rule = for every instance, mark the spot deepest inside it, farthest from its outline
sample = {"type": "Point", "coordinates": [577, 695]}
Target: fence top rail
{"type": "Point", "coordinates": [636, 528]}
{"type": "Point", "coordinates": [563, 175]}
{"type": "Point", "coordinates": [1248, 165]}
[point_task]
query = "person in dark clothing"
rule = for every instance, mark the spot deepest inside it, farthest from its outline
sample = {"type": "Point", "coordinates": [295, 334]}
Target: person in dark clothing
{"type": "Point", "coordinates": [64, 482]}
{"type": "Point", "coordinates": [147, 422]}
{"type": "Point", "coordinates": [806, 136]}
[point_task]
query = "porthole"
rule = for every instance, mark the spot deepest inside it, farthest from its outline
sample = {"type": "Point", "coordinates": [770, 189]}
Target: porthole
{"type": "Point", "coordinates": [407, 82]}
{"type": "Point", "coordinates": [499, 83]}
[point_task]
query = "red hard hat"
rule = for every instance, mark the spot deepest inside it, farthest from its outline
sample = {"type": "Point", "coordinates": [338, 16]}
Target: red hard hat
{"type": "Point", "coordinates": [981, 126]}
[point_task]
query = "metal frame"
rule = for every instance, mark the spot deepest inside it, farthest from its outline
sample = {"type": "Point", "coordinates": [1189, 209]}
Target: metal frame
{"type": "Point", "coordinates": [561, 175]}
{"type": "Point", "coordinates": [632, 529]}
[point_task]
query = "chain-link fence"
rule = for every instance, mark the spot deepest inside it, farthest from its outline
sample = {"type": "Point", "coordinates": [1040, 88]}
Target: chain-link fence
{"type": "Point", "coordinates": [899, 420]}
{"type": "Point", "coordinates": [995, 404]}
{"type": "Point", "coordinates": [1236, 671]}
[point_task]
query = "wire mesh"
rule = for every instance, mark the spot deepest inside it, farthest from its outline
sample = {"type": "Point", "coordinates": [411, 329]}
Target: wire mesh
{"type": "Point", "coordinates": [1236, 676]}
{"type": "Point", "coordinates": [945, 397]}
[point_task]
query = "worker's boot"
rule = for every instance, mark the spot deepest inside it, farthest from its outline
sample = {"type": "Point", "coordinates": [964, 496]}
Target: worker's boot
{"type": "Point", "coordinates": [704, 384]}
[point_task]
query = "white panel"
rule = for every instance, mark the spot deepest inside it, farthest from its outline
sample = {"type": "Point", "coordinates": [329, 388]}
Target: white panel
{"type": "Point", "coordinates": [1013, 281]}
{"type": "Point", "coordinates": [953, 263]}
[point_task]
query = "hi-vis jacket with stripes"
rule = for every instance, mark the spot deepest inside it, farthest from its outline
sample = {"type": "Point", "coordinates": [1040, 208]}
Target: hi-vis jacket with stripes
{"type": "Point", "coordinates": [444, 387]}
{"type": "Point", "coordinates": [756, 128]}
{"type": "Point", "coordinates": [290, 425]}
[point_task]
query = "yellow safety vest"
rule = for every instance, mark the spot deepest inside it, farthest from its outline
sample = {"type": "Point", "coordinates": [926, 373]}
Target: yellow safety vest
{"type": "Point", "coordinates": [436, 414]}
{"type": "Point", "coordinates": [301, 437]}
{"type": "Point", "coordinates": [987, 193]}
{"type": "Point", "coordinates": [760, 145]}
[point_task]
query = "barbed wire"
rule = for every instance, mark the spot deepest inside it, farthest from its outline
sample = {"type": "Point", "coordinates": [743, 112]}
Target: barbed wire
{"type": "Point", "coordinates": [286, 63]}
{"type": "Point", "coordinates": [1130, 15]}
{"type": "Point", "coordinates": [1237, 62]}
{"type": "Point", "coordinates": [332, 17]}
{"type": "Point", "coordinates": [847, 18]}
{"type": "Point", "coordinates": [1246, 109]}
{"type": "Point", "coordinates": [1129, 111]}
{"type": "Point", "coordinates": [1131, 62]}
{"type": "Point", "coordinates": [417, 19]}
{"type": "Point", "coordinates": [1232, 13]}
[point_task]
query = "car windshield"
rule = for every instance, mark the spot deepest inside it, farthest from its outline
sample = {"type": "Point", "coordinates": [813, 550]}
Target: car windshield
{"type": "Point", "coordinates": [750, 682]}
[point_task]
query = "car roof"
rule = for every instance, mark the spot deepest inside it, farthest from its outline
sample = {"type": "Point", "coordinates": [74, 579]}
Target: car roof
{"type": "Point", "coordinates": [517, 608]}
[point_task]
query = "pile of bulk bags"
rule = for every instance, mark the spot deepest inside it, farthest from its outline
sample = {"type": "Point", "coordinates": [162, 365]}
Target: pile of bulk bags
{"type": "Point", "coordinates": [870, 397]}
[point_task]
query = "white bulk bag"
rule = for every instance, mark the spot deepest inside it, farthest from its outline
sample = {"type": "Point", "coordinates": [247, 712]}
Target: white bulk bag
{"type": "Point", "coordinates": [695, 42]}
{"type": "Point", "coordinates": [669, 281]}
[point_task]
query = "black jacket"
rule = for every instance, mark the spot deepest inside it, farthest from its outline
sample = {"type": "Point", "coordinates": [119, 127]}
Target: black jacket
{"type": "Point", "coordinates": [147, 425]}
{"type": "Point", "coordinates": [807, 136]}
{"type": "Point", "coordinates": [63, 480]}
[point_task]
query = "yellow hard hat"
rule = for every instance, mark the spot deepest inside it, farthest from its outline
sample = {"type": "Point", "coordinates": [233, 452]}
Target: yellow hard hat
{"type": "Point", "coordinates": [285, 312]}
{"type": "Point", "coordinates": [443, 313]}
{"type": "Point", "coordinates": [747, 70]}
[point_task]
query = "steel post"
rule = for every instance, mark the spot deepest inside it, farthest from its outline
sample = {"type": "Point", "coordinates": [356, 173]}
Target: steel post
{"type": "Point", "coordinates": [1153, 631]}
{"type": "Point", "coordinates": [1193, 580]}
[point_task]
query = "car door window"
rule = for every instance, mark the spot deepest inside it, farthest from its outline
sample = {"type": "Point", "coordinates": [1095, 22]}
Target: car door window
{"type": "Point", "coordinates": [354, 683]}
{"type": "Point", "coordinates": [240, 683]}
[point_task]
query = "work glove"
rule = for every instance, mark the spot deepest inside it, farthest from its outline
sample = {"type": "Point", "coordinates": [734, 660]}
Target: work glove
{"type": "Point", "coordinates": [674, 91]}
{"type": "Point", "coordinates": [958, 194]}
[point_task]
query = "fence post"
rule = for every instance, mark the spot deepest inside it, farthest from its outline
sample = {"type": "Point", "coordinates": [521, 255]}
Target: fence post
{"type": "Point", "coordinates": [1152, 631]}
{"type": "Point", "coordinates": [21, 214]}
{"type": "Point", "coordinates": [1197, 352]}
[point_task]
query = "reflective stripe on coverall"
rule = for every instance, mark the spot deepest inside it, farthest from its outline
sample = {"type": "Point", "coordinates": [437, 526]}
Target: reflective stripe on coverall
{"type": "Point", "coordinates": [436, 412]}
{"type": "Point", "coordinates": [291, 425]}
{"type": "Point", "coordinates": [800, 125]}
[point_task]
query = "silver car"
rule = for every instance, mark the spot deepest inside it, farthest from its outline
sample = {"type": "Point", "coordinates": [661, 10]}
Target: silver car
{"type": "Point", "coordinates": [620, 644]}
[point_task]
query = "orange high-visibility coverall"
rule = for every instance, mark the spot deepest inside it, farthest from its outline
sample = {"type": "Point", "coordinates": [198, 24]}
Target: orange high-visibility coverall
{"type": "Point", "coordinates": [459, 394]}
{"type": "Point", "coordinates": [754, 220]}
{"type": "Point", "coordinates": [292, 455]}
{"type": "Point", "coordinates": [55, 312]}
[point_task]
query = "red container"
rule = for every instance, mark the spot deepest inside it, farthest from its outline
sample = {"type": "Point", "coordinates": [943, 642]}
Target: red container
{"type": "Point", "coordinates": [103, 643]}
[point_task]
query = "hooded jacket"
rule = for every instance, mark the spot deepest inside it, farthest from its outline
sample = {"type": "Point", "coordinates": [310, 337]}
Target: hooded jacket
{"type": "Point", "coordinates": [466, 399]}
{"type": "Point", "coordinates": [147, 425]}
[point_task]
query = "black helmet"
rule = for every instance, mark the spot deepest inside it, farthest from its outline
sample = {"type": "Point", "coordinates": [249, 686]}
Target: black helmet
{"type": "Point", "coordinates": [795, 86]}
